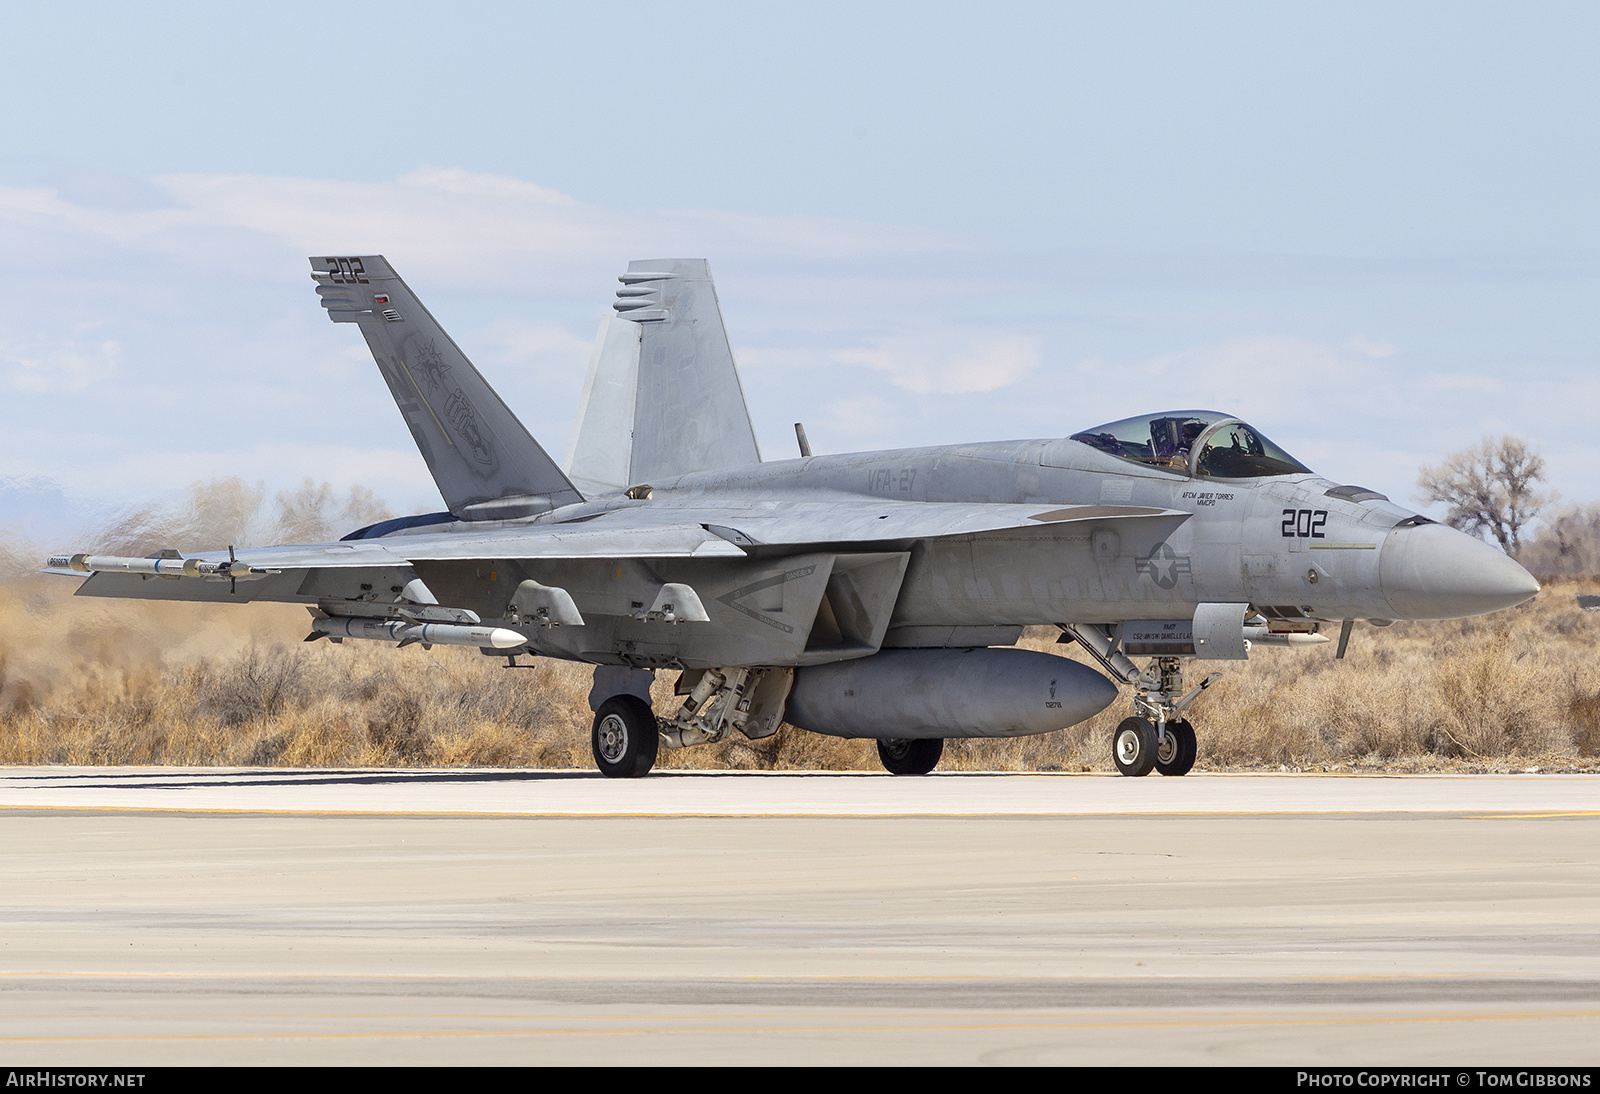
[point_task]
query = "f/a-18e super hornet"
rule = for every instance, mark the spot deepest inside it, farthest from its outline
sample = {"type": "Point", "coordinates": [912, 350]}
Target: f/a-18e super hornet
{"type": "Point", "coordinates": [874, 595]}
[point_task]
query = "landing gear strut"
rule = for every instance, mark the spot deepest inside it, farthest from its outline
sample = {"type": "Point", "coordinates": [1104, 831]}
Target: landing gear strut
{"type": "Point", "coordinates": [1159, 700]}
{"type": "Point", "coordinates": [1156, 737]}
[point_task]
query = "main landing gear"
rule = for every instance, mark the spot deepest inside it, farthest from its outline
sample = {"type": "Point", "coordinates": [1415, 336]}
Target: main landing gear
{"type": "Point", "coordinates": [911, 757]}
{"type": "Point", "coordinates": [625, 737]}
{"type": "Point", "coordinates": [1157, 737]}
{"type": "Point", "coordinates": [627, 732]}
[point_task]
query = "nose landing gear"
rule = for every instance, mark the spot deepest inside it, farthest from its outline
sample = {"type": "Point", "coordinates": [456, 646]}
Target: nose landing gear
{"type": "Point", "coordinates": [1156, 738]}
{"type": "Point", "coordinates": [1176, 751]}
{"type": "Point", "coordinates": [1140, 747]}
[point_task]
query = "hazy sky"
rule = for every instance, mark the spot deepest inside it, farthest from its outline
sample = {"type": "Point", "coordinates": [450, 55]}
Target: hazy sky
{"type": "Point", "coordinates": [1371, 230]}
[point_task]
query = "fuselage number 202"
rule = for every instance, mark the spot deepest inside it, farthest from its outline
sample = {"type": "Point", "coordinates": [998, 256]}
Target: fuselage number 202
{"type": "Point", "coordinates": [1304, 523]}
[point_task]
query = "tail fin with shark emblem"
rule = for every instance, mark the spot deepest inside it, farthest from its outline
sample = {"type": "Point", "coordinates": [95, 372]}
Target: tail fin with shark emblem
{"type": "Point", "coordinates": [486, 463]}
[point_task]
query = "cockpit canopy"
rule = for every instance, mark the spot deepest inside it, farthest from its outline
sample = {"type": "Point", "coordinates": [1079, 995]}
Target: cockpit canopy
{"type": "Point", "coordinates": [1194, 442]}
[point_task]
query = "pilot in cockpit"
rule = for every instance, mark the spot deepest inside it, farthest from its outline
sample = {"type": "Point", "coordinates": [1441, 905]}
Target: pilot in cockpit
{"type": "Point", "coordinates": [1187, 435]}
{"type": "Point", "coordinates": [1171, 439]}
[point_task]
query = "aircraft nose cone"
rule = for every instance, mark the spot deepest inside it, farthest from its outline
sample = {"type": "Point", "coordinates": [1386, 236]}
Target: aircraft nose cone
{"type": "Point", "coordinates": [1431, 571]}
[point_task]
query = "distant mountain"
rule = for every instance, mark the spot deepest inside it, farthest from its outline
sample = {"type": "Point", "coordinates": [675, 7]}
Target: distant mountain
{"type": "Point", "coordinates": [38, 510]}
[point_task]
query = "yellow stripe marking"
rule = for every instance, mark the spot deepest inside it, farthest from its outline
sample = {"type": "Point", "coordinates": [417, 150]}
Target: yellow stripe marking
{"type": "Point", "coordinates": [425, 402]}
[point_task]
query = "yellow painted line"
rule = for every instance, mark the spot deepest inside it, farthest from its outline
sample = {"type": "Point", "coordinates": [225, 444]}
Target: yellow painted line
{"type": "Point", "coordinates": [64, 775]}
{"type": "Point", "coordinates": [701, 1017]}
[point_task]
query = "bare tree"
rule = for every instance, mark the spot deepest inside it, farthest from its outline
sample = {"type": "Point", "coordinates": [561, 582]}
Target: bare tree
{"type": "Point", "coordinates": [229, 511]}
{"type": "Point", "coordinates": [220, 512]}
{"type": "Point", "coordinates": [315, 513]}
{"type": "Point", "coordinates": [1568, 542]}
{"type": "Point", "coordinates": [1490, 488]}
{"type": "Point", "coordinates": [216, 513]}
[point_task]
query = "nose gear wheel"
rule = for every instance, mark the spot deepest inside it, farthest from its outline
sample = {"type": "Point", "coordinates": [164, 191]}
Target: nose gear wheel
{"type": "Point", "coordinates": [1134, 747]}
{"type": "Point", "coordinates": [1175, 754]}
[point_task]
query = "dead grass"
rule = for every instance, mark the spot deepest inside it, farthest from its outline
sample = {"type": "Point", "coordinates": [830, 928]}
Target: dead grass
{"type": "Point", "coordinates": [105, 682]}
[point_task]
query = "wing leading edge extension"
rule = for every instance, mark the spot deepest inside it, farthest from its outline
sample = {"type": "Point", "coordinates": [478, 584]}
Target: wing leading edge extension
{"type": "Point", "coordinates": [486, 463]}
{"type": "Point", "coordinates": [880, 522]}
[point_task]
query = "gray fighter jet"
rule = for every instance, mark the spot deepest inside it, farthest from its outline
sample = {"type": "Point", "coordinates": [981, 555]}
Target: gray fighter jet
{"type": "Point", "coordinates": [873, 595]}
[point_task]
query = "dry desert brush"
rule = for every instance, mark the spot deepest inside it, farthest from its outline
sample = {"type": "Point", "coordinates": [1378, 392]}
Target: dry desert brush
{"type": "Point", "coordinates": [87, 681]}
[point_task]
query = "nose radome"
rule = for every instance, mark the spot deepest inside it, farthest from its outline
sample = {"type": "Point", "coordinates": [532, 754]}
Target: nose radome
{"type": "Point", "coordinates": [1432, 571]}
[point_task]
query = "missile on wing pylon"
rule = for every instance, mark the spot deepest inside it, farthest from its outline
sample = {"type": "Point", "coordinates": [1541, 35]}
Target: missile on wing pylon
{"type": "Point", "coordinates": [1266, 637]}
{"type": "Point", "coordinates": [433, 634]}
{"type": "Point", "coordinates": [160, 567]}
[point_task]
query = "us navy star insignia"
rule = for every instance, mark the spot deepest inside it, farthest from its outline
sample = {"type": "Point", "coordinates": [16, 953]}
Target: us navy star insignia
{"type": "Point", "coordinates": [1162, 565]}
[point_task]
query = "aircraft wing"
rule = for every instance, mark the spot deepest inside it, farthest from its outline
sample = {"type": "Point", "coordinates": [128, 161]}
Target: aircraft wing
{"type": "Point", "coordinates": [389, 561]}
{"type": "Point", "coordinates": [558, 541]}
{"type": "Point", "coordinates": [702, 533]}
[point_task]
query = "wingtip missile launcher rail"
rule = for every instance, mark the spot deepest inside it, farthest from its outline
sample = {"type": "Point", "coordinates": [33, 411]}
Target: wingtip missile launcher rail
{"type": "Point", "coordinates": [160, 566]}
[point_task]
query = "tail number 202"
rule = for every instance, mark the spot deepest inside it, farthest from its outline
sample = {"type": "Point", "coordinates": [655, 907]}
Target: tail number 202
{"type": "Point", "coordinates": [346, 271]}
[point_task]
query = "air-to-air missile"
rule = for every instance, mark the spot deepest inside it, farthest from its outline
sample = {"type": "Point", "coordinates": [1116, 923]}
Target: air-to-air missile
{"type": "Point", "coordinates": [406, 632]}
{"type": "Point", "coordinates": [159, 566]}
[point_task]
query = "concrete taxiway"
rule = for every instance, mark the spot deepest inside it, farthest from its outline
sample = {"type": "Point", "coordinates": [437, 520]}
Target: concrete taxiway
{"type": "Point", "coordinates": [171, 915]}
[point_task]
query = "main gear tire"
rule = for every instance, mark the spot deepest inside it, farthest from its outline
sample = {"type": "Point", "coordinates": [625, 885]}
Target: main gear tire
{"type": "Point", "coordinates": [911, 757]}
{"type": "Point", "coordinates": [625, 737]}
{"type": "Point", "coordinates": [1175, 755]}
{"type": "Point", "coordinates": [1133, 747]}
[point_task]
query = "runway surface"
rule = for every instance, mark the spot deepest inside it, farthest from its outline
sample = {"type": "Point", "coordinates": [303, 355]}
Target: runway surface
{"type": "Point", "coordinates": [800, 794]}
{"type": "Point", "coordinates": [166, 915]}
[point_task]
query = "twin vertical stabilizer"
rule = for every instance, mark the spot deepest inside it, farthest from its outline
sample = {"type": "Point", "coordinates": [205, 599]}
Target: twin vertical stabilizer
{"type": "Point", "coordinates": [486, 463]}
{"type": "Point", "coordinates": [662, 397]}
